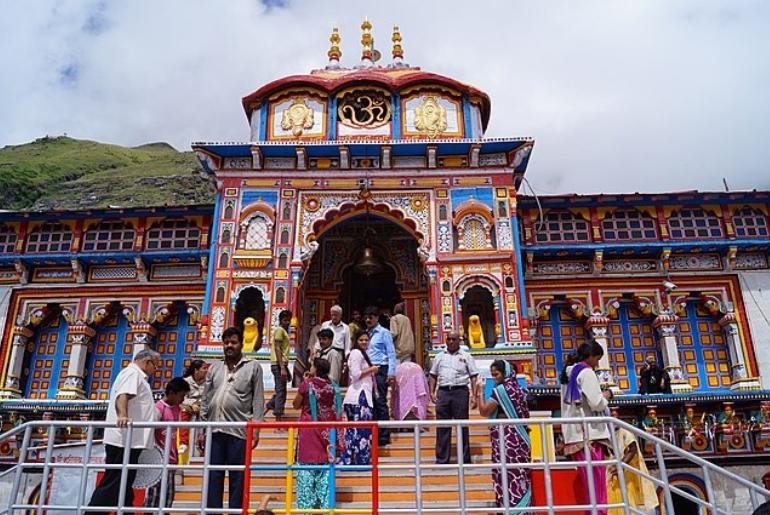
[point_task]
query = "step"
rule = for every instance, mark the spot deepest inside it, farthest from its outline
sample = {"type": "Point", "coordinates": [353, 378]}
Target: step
{"type": "Point", "coordinates": [355, 494]}
{"type": "Point", "coordinates": [387, 478]}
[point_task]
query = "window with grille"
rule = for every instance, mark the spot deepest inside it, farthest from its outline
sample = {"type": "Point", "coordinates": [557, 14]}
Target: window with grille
{"type": "Point", "coordinates": [174, 234]}
{"type": "Point", "coordinates": [694, 223]}
{"type": "Point", "coordinates": [473, 233]}
{"type": "Point", "coordinates": [563, 227]}
{"type": "Point", "coordinates": [8, 239]}
{"type": "Point", "coordinates": [114, 235]}
{"type": "Point", "coordinates": [628, 224]}
{"type": "Point", "coordinates": [750, 223]}
{"type": "Point", "coordinates": [258, 235]}
{"type": "Point", "coordinates": [50, 237]}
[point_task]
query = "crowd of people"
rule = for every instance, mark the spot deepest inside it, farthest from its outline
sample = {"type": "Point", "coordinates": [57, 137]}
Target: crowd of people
{"type": "Point", "coordinates": [376, 364]}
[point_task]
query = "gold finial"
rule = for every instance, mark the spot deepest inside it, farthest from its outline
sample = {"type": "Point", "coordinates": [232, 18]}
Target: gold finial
{"type": "Point", "coordinates": [334, 52]}
{"type": "Point", "coordinates": [398, 52]}
{"type": "Point", "coordinates": [367, 41]}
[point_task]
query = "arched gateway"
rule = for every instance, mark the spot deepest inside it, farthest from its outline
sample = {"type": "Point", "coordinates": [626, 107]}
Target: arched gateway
{"type": "Point", "coordinates": [366, 257]}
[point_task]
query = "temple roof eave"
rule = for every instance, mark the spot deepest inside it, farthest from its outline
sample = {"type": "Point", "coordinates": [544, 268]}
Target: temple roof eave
{"type": "Point", "coordinates": [645, 248]}
{"type": "Point", "coordinates": [392, 79]}
{"type": "Point", "coordinates": [373, 148]}
{"type": "Point", "coordinates": [105, 258]}
{"type": "Point", "coordinates": [684, 198]}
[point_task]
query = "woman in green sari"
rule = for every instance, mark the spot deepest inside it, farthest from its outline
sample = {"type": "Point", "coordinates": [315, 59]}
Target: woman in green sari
{"type": "Point", "coordinates": [508, 400]}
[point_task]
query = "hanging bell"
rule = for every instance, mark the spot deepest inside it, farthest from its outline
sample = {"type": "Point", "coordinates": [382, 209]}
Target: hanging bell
{"type": "Point", "coordinates": [368, 264]}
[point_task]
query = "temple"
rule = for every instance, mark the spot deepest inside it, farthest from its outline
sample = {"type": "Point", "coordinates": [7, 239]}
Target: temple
{"type": "Point", "coordinates": [374, 184]}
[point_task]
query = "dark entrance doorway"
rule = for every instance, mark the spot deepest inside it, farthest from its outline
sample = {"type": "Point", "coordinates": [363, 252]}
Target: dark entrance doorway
{"type": "Point", "coordinates": [251, 304]}
{"type": "Point", "coordinates": [684, 506]}
{"type": "Point", "coordinates": [394, 273]}
{"type": "Point", "coordinates": [478, 301]}
{"type": "Point", "coordinates": [362, 290]}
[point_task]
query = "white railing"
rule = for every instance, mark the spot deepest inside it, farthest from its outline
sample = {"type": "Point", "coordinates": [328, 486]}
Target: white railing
{"type": "Point", "coordinates": [38, 461]}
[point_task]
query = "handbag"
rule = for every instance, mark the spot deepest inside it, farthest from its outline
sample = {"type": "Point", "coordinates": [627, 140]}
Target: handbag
{"type": "Point", "coordinates": [147, 477]}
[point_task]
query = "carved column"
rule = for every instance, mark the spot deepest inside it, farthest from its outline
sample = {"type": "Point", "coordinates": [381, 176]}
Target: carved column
{"type": "Point", "coordinates": [292, 297]}
{"type": "Point", "coordinates": [78, 337]}
{"type": "Point", "coordinates": [741, 380]}
{"type": "Point", "coordinates": [498, 324]}
{"type": "Point", "coordinates": [665, 324]}
{"type": "Point", "coordinates": [597, 325]}
{"type": "Point", "coordinates": [21, 337]}
{"type": "Point", "coordinates": [143, 336]}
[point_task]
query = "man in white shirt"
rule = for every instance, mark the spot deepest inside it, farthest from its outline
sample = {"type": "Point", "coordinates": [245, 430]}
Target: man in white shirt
{"type": "Point", "coordinates": [453, 371]}
{"type": "Point", "coordinates": [131, 400]}
{"type": "Point", "coordinates": [341, 341]}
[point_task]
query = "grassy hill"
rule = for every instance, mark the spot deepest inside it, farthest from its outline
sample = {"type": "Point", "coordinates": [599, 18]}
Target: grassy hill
{"type": "Point", "coordinates": [66, 173]}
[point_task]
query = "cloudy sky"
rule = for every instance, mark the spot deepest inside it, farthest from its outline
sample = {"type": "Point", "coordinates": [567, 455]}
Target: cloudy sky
{"type": "Point", "coordinates": [620, 96]}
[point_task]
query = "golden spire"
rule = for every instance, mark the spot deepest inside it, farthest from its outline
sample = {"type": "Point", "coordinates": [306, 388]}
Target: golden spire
{"type": "Point", "coordinates": [334, 52]}
{"type": "Point", "coordinates": [367, 41]}
{"type": "Point", "coordinates": [398, 52]}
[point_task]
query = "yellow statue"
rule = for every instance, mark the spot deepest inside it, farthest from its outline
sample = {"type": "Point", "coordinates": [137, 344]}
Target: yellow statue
{"type": "Point", "coordinates": [475, 335]}
{"type": "Point", "coordinates": [250, 335]}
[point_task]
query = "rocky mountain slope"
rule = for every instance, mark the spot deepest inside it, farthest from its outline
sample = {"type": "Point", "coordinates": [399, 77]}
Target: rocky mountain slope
{"type": "Point", "coordinates": [66, 173]}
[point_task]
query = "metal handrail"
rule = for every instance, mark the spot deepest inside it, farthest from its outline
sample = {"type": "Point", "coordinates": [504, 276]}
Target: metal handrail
{"type": "Point", "coordinates": [757, 493]}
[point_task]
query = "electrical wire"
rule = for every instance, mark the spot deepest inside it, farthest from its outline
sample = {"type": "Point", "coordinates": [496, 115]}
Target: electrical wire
{"type": "Point", "coordinates": [541, 218]}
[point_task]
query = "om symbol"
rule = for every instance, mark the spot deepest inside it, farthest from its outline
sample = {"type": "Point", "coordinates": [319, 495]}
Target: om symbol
{"type": "Point", "coordinates": [364, 110]}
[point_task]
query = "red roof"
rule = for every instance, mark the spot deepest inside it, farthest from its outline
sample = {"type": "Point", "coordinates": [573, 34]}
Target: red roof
{"type": "Point", "coordinates": [392, 79]}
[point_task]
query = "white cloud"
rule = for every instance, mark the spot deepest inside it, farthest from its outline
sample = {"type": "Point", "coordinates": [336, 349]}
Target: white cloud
{"type": "Point", "coordinates": [620, 96]}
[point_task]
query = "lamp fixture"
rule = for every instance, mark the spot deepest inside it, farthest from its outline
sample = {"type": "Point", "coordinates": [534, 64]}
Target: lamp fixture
{"type": "Point", "coordinates": [367, 263]}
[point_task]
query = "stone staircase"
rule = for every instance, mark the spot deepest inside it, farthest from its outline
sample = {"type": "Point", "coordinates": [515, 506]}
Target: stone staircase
{"type": "Point", "coordinates": [397, 486]}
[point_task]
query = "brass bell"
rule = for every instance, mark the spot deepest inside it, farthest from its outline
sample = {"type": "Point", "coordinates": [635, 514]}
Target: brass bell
{"type": "Point", "coordinates": [368, 264]}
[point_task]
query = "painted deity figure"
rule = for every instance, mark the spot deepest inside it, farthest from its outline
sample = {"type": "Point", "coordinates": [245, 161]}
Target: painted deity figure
{"type": "Point", "coordinates": [694, 431]}
{"type": "Point", "coordinates": [297, 117]}
{"type": "Point", "coordinates": [430, 117]}
{"type": "Point", "coordinates": [762, 426]}
{"type": "Point", "coordinates": [730, 429]}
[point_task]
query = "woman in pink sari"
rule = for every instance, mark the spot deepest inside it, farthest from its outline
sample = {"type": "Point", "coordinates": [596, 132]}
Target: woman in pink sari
{"type": "Point", "coordinates": [410, 396]}
{"type": "Point", "coordinates": [582, 397]}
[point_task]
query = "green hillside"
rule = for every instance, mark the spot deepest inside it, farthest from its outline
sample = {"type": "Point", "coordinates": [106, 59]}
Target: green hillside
{"type": "Point", "coordinates": [66, 173]}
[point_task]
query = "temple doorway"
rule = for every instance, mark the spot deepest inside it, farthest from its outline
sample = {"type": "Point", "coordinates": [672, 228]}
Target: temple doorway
{"type": "Point", "coordinates": [251, 304]}
{"type": "Point", "coordinates": [478, 302]}
{"type": "Point", "coordinates": [362, 289]}
{"type": "Point", "coordinates": [367, 260]}
{"type": "Point", "coordinates": [684, 506]}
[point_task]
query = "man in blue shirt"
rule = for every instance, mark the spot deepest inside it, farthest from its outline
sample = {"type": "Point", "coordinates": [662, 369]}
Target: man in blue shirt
{"type": "Point", "coordinates": [382, 353]}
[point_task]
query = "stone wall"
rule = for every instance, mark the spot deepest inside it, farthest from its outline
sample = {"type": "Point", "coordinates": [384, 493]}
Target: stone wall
{"type": "Point", "coordinates": [730, 496]}
{"type": "Point", "coordinates": [755, 287]}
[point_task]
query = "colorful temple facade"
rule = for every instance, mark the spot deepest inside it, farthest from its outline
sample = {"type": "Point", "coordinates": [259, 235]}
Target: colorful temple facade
{"type": "Point", "coordinates": [373, 185]}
